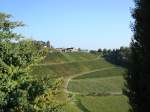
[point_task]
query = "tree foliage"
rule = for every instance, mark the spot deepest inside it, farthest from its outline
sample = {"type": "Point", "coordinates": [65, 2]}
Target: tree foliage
{"type": "Point", "coordinates": [118, 56]}
{"type": "Point", "coordinates": [19, 92]}
{"type": "Point", "coordinates": [138, 78]}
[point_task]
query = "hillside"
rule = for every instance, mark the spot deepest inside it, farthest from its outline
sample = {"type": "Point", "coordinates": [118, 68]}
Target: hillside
{"type": "Point", "coordinates": [87, 78]}
{"type": "Point", "coordinates": [58, 57]}
{"type": "Point", "coordinates": [100, 82]}
{"type": "Point", "coordinates": [65, 64]}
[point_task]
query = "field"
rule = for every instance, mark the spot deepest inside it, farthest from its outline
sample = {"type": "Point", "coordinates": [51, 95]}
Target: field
{"type": "Point", "coordinates": [91, 84]}
{"type": "Point", "coordinates": [100, 91]}
{"type": "Point", "coordinates": [98, 82]}
{"type": "Point", "coordinates": [105, 103]}
{"type": "Point", "coordinates": [99, 85]}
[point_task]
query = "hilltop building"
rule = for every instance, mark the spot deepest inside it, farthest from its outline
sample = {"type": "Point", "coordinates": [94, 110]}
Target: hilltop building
{"type": "Point", "coordinates": [71, 49]}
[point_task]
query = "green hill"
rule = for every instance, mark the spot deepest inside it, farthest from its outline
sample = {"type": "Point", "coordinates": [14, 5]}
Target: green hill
{"type": "Point", "coordinates": [65, 64]}
{"type": "Point", "coordinates": [88, 78]}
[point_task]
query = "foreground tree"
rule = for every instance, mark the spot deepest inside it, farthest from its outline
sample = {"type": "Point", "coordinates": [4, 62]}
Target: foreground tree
{"type": "Point", "coordinates": [19, 92]}
{"type": "Point", "coordinates": [138, 78]}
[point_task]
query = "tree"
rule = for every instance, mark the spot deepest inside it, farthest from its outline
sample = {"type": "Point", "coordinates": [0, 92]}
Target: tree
{"type": "Point", "coordinates": [48, 44]}
{"type": "Point", "coordinates": [138, 77]}
{"type": "Point", "coordinates": [106, 52]}
{"type": "Point", "coordinates": [99, 50]}
{"type": "Point", "coordinates": [19, 92]}
{"type": "Point", "coordinates": [118, 56]}
{"type": "Point", "coordinates": [93, 52]}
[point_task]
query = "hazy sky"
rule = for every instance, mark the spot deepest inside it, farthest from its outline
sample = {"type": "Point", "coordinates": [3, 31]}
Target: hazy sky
{"type": "Point", "coordinates": [88, 24]}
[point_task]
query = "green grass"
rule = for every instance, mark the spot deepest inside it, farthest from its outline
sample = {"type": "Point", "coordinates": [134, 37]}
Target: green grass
{"type": "Point", "coordinates": [105, 81]}
{"type": "Point", "coordinates": [93, 86]}
{"type": "Point", "coordinates": [105, 103]}
{"type": "Point", "coordinates": [118, 71]}
{"type": "Point", "coordinates": [71, 107]}
{"type": "Point", "coordinates": [57, 65]}
{"type": "Point", "coordinates": [68, 69]}
{"type": "Point", "coordinates": [57, 57]}
{"type": "Point", "coordinates": [97, 85]}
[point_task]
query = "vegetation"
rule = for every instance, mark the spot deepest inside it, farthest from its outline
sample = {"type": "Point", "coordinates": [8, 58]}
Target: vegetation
{"type": "Point", "coordinates": [67, 69]}
{"type": "Point", "coordinates": [70, 107]}
{"type": "Point", "coordinates": [19, 92]}
{"type": "Point", "coordinates": [118, 56]}
{"type": "Point", "coordinates": [105, 103]}
{"type": "Point", "coordinates": [34, 77]}
{"type": "Point", "coordinates": [97, 86]}
{"type": "Point", "coordinates": [99, 82]}
{"type": "Point", "coordinates": [58, 57]}
{"type": "Point", "coordinates": [138, 78]}
{"type": "Point", "coordinates": [114, 71]}
{"type": "Point", "coordinates": [103, 93]}
{"type": "Point", "coordinates": [102, 78]}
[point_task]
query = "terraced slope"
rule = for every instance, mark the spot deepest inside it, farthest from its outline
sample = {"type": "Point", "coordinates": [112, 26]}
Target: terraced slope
{"type": "Point", "coordinates": [68, 69]}
{"type": "Point", "coordinates": [100, 91]}
{"type": "Point", "coordinates": [105, 103]}
{"type": "Point", "coordinates": [88, 79]}
{"type": "Point", "coordinates": [57, 57]}
{"type": "Point", "coordinates": [103, 81]}
{"type": "Point", "coordinates": [110, 72]}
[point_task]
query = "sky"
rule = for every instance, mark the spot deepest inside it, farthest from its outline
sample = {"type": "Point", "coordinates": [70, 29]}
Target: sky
{"type": "Point", "coordinates": [88, 24]}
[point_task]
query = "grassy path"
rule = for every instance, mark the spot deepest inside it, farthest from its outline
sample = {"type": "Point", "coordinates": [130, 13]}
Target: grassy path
{"type": "Point", "coordinates": [106, 94]}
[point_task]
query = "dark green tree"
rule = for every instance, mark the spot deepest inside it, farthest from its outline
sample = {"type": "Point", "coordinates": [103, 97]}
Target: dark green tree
{"type": "Point", "coordinates": [138, 77]}
{"type": "Point", "coordinates": [48, 44]}
{"type": "Point", "coordinates": [118, 56]}
{"type": "Point", "coordinates": [99, 50]}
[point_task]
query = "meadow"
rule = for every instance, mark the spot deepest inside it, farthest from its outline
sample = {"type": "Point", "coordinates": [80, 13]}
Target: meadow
{"type": "Point", "coordinates": [105, 103]}
{"type": "Point", "coordinates": [105, 81]}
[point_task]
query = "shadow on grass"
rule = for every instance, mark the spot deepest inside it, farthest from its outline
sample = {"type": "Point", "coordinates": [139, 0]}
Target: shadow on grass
{"type": "Point", "coordinates": [81, 106]}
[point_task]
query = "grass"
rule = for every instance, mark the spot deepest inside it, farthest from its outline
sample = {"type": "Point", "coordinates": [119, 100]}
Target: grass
{"type": "Point", "coordinates": [57, 65]}
{"type": "Point", "coordinates": [71, 107]}
{"type": "Point", "coordinates": [97, 85]}
{"type": "Point", "coordinates": [57, 57]}
{"type": "Point", "coordinates": [67, 69]}
{"type": "Point", "coordinates": [118, 71]}
{"type": "Point", "coordinates": [105, 103]}
{"type": "Point", "coordinates": [105, 81]}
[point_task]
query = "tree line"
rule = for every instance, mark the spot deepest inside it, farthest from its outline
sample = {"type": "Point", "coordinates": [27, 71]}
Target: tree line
{"type": "Point", "coordinates": [119, 56]}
